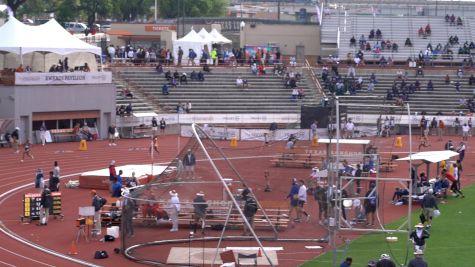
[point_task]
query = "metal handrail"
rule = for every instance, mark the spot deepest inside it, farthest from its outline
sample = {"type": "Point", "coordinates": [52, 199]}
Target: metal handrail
{"type": "Point", "coordinates": [314, 78]}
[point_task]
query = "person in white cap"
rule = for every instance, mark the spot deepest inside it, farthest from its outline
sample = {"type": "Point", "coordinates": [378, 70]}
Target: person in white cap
{"type": "Point", "coordinates": [419, 236]}
{"type": "Point", "coordinates": [175, 209]}
{"type": "Point", "coordinates": [385, 261]}
{"type": "Point", "coordinates": [200, 206]}
{"type": "Point", "coordinates": [418, 260]}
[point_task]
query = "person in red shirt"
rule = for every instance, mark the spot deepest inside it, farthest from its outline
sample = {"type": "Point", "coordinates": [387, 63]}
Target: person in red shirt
{"type": "Point", "coordinates": [454, 186]}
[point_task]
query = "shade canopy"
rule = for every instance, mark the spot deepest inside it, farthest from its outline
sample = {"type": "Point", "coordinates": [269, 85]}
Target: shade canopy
{"type": "Point", "coordinates": [219, 38]}
{"type": "Point", "coordinates": [431, 156]}
{"type": "Point", "coordinates": [207, 36]}
{"type": "Point", "coordinates": [50, 37]}
{"type": "Point", "coordinates": [190, 41]}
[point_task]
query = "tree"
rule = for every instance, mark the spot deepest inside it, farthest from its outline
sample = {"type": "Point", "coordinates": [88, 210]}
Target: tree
{"type": "Point", "coordinates": [192, 8]}
{"type": "Point", "coordinates": [15, 4]}
{"type": "Point", "coordinates": [130, 10]}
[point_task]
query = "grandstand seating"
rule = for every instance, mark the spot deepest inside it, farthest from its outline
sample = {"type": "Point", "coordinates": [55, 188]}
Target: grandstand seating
{"type": "Point", "coordinates": [444, 98]}
{"type": "Point", "coordinates": [396, 29]}
{"type": "Point", "coordinates": [218, 93]}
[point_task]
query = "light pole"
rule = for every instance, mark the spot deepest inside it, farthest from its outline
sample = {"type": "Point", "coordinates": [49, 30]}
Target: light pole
{"type": "Point", "coordinates": [155, 12]}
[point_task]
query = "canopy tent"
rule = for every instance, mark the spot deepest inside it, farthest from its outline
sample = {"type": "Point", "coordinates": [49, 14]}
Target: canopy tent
{"type": "Point", "coordinates": [190, 41]}
{"type": "Point", "coordinates": [49, 37]}
{"type": "Point", "coordinates": [429, 157]}
{"type": "Point", "coordinates": [220, 39]}
{"type": "Point", "coordinates": [207, 36]}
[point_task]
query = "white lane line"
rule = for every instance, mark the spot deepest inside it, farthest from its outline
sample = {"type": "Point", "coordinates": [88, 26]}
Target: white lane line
{"type": "Point", "coordinates": [24, 257]}
{"type": "Point", "coordinates": [7, 264]}
{"type": "Point", "coordinates": [29, 243]}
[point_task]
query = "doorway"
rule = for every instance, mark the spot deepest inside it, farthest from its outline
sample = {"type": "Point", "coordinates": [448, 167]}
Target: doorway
{"type": "Point", "coordinates": [300, 53]}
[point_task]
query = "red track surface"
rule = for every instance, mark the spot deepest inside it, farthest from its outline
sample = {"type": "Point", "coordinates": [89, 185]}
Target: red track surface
{"type": "Point", "coordinates": [58, 234]}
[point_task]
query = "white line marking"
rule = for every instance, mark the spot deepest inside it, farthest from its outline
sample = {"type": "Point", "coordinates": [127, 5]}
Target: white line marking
{"type": "Point", "coordinates": [24, 257]}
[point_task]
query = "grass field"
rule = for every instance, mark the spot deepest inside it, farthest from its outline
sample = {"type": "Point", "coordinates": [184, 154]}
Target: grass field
{"type": "Point", "coordinates": [452, 241]}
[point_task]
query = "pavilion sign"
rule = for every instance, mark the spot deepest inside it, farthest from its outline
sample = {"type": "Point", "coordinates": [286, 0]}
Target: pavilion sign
{"type": "Point", "coordinates": [38, 78]}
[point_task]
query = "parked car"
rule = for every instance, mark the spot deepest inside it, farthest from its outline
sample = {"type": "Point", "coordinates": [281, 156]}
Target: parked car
{"type": "Point", "coordinates": [75, 27]}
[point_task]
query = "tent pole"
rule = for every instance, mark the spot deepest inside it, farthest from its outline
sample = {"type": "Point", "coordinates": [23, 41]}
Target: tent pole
{"type": "Point", "coordinates": [21, 55]}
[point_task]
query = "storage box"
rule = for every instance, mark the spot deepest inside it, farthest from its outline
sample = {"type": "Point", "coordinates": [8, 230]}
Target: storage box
{"type": "Point", "coordinates": [113, 231]}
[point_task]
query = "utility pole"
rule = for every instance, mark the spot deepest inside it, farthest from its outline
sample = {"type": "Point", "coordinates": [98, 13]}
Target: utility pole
{"type": "Point", "coordinates": [278, 10]}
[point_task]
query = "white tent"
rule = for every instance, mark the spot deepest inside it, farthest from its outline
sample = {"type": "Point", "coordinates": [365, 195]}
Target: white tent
{"type": "Point", "coordinates": [20, 39]}
{"type": "Point", "coordinates": [207, 36]}
{"type": "Point", "coordinates": [190, 41]}
{"type": "Point", "coordinates": [219, 38]}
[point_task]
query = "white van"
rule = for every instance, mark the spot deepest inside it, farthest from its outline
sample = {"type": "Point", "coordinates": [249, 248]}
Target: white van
{"type": "Point", "coordinates": [75, 27]}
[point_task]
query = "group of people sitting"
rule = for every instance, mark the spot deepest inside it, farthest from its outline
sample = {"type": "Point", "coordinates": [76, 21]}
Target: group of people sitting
{"type": "Point", "coordinates": [453, 21]}
{"type": "Point", "coordinates": [424, 32]}
{"type": "Point", "coordinates": [124, 110]}
{"type": "Point", "coordinates": [375, 34]}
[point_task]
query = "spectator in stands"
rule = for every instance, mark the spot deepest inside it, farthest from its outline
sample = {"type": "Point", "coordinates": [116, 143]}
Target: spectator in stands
{"type": "Point", "coordinates": [86, 68]}
{"type": "Point", "coordinates": [447, 18]}
{"type": "Point", "coordinates": [262, 70]}
{"type": "Point", "coordinates": [370, 87]}
{"type": "Point", "coordinates": [471, 80]}
{"type": "Point", "coordinates": [379, 34]}
{"type": "Point", "coordinates": [174, 83]}
{"type": "Point", "coordinates": [452, 20]}
{"type": "Point", "coordinates": [159, 69]}
{"type": "Point", "coordinates": [294, 94]}
{"type": "Point", "coordinates": [351, 72]}
{"type": "Point", "coordinates": [368, 47]}
{"type": "Point", "coordinates": [460, 73]}
{"type": "Point", "coordinates": [254, 69]}
{"type": "Point", "coordinates": [206, 68]}
{"type": "Point", "coordinates": [127, 93]}
{"type": "Point", "coordinates": [194, 76]}
{"type": "Point", "coordinates": [447, 79]}
{"type": "Point", "coordinates": [457, 86]}
{"type": "Point", "coordinates": [352, 41]}
{"type": "Point", "coordinates": [371, 34]}
{"type": "Point", "coordinates": [395, 47]}
{"type": "Point", "coordinates": [128, 109]}
{"type": "Point", "coordinates": [165, 90]}
{"type": "Point", "coordinates": [408, 42]}
{"type": "Point", "coordinates": [419, 71]}
{"type": "Point", "coordinates": [168, 75]}
{"type": "Point", "coordinates": [377, 48]}
{"type": "Point", "coordinates": [201, 76]}
{"type": "Point", "coordinates": [459, 21]}
{"type": "Point", "coordinates": [188, 107]}
{"type": "Point", "coordinates": [183, 78]}
{"type": "Point", "coordinates": [430, 86]}
{"type": "Point", "coordinates": [240, 82]}
{"type": "Point", "coordinates": [382, 61]}
{"type": "Point", "coordinates": [420, 32]}
{"type": "Point", "coordinates": [428, 30]}
{"type": "Point", "coordinates": [362, 40]}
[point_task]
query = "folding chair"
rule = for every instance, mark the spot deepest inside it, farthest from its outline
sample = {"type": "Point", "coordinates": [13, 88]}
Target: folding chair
{"type": "Point", "coordinates": [227, 257]}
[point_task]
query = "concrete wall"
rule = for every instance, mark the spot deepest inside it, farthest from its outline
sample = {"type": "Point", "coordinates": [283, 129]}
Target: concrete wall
{"type": "Point", "coordinates": [288, 37]}
{"type": "Point", "coordinates": [20, 102]}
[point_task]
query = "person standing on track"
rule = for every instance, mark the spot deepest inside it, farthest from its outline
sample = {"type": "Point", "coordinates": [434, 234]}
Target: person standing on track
{"type": "Point", "coordinates": [56, 170]}
{"type": "Point", "coordinates": [189, 162]}
{"type": "Point", "coordinates": [112, 130]}
{"type": "Point", "coordinates": [112, 175]}
{"type": "Point", "coordinates": [302, 195]}
{"type": "Point", "coordinates": [46, 204]}
{"type": "Point", "coordinates": [175, 210]}
{"type": "Point", "coordinates": [294, 199]}
{"type": "Point", "coordinates": [163, 125]}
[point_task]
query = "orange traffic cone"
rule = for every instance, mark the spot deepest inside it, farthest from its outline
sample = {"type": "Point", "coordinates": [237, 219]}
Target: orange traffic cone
{"type": "Point", "coordinates": [259, 253]}
{"type": "Point", "coordinates": [73, 250]}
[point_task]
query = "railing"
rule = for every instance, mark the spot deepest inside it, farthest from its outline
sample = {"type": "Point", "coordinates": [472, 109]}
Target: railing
{"type": "Point", "coordinates": [314, 78]}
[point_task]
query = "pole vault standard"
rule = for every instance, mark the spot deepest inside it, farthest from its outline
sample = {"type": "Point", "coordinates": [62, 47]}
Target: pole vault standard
{"type": "Point", "coordinates": [335, 179]}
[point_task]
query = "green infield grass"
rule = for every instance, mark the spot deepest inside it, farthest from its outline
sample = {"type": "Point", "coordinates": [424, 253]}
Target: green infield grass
{"type": "Point", "coordinates": [451, 244]}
